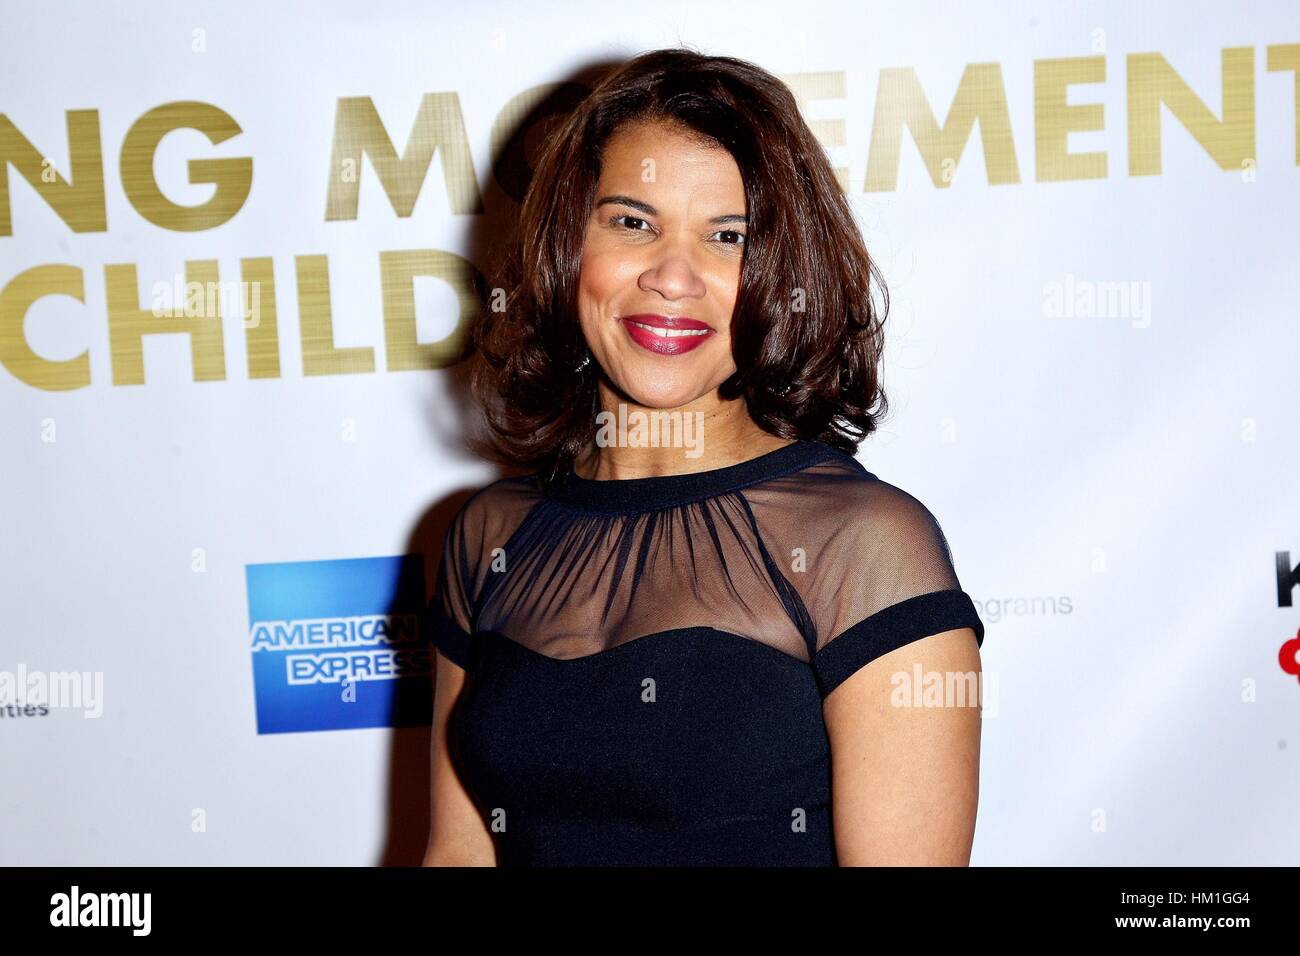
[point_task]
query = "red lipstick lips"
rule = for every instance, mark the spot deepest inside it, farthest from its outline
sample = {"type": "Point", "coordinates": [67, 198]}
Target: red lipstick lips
{"type": "Point", "coordinates": [666, 336]}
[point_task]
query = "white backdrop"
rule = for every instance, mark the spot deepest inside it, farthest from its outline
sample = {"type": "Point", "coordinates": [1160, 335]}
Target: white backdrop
{"type": "Point", "coordinates": [1115, 475]}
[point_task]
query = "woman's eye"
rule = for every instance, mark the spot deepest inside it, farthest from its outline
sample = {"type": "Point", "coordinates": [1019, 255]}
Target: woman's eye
{"type": "Point", "coordinates": [637, 224]}
{"type": "Point", "coordinates": [618, 219]}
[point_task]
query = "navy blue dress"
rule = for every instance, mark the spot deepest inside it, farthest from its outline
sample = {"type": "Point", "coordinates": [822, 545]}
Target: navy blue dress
{"type": "Point", "coordinates": [646, 659]}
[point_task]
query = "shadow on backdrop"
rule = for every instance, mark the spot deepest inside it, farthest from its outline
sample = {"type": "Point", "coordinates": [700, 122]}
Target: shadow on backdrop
{"type": "Point", "coordinates": [457, 434]}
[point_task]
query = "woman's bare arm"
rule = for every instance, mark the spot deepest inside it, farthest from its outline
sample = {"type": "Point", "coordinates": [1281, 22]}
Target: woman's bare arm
{"type": "Point", "coordinates": [457, 834]}
{"type": "Point", "coordinates": [905, 779]}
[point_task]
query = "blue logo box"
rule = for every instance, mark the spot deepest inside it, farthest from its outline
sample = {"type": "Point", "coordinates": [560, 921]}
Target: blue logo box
{"type": "Point", "coordinates": [339, 644]}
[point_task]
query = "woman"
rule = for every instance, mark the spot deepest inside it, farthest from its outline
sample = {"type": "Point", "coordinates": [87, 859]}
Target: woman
{"type": "Point", "coordinates": [686, 653]}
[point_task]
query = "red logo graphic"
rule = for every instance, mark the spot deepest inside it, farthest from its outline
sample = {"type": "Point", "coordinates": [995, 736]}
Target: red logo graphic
{"type": "Point", "coordinates": [1289, 656]}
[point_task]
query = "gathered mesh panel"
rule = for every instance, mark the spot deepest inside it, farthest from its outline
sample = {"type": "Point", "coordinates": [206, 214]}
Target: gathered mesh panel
{"type": "Point", "coordinates": [865, 544]}
{"type": "Point", "coordinates": [585, 583]}
{"type": "Point", "coordinates": [799, 549]}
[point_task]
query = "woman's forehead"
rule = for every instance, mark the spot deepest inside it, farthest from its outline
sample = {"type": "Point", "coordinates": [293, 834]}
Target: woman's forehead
{"type": "Point", "coordinates": [673, 168]}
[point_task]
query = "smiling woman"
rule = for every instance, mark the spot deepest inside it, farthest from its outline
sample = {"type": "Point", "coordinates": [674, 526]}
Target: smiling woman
{"type": "Point", "coordinates": [653, 657]}
{"type": "Point", "coordinates": [653, 251]}
{"type": "Point", "coordinates": [683, 187]}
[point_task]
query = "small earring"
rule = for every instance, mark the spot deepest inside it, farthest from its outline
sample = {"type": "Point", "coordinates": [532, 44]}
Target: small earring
{"type": "Point", "coordinates": [586, 360]}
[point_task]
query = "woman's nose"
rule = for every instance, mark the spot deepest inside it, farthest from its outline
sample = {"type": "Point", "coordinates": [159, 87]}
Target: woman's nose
{"type": "Point", "coordinates": [673, 275]}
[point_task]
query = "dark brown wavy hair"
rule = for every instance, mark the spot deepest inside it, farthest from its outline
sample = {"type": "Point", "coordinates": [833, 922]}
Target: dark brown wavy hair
{"type": "Point", "coordinates": [806, 337]}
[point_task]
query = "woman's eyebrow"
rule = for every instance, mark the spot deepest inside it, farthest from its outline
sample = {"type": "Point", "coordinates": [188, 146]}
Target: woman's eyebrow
{"type": "Point", "coordinates": [650, 210]}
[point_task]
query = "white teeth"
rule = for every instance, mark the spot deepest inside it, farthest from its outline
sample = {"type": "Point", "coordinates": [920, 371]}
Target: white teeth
{"type": "Point", "coordinates": [671, 333]}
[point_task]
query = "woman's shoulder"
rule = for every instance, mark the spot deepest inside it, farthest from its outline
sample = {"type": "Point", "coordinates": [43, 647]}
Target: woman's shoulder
{"type": "Point", "coordinates": [497, 508]}
{"type": "Point", "coordinates": [519, 489]}
{"type": "Point", "coordinates": [839, 504]}
{"type": "Point", "coordinates": [839, 485]}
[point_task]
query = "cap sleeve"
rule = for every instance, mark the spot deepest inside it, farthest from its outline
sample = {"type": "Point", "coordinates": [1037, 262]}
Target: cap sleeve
{"type": "Point", "coordinates": [895, 584]}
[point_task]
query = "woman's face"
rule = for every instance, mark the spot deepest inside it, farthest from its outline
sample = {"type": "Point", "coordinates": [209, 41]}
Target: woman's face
{"type": "Point", "coordinates": [663, 249]}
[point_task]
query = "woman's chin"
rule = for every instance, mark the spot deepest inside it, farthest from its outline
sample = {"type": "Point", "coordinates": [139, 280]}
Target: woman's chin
{"type": "Point", "coordinates": [663, 396]}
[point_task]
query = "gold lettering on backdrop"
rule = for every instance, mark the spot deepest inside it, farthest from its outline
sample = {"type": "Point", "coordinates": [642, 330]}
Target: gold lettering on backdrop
{"type": "Point", "coordinates": [900, 101]}
{"type": "Point", "coordinates": [79, 200]}
{"type": "Point", "coordinates": [1283, 57]}
{"type": "Point", "coordinates": [261, 331]}
{"type": "Point", "coordinates": [1152, 82]}
{"type": "Point", "coordinates": [198, 315]}
{"type": "Point", "coordinates": [1055, 119]}
{"type": "Point", "coordinates": [439, 126]}
{"type": "Point", "coordinates": [79, 203]}
{"type": "Point", "coordinates": [233, 177]}
{"type": "Point", "coordinates": [316, 324]}
{"type": "Point", "coordinates": [831, 133]}
{"type": "Point", "coordinates": [21, 292]}
{"type": "Point", "coordinates": [398, 271]}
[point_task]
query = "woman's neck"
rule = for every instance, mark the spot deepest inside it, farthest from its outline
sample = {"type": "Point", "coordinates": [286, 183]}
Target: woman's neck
{"type": "Point", "coordinates": [634, 441]}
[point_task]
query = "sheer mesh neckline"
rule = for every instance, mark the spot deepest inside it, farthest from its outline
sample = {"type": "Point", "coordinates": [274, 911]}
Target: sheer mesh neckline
{"type": "Point", "coordinates": [625, 495]}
